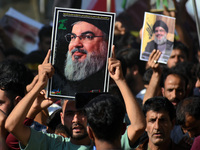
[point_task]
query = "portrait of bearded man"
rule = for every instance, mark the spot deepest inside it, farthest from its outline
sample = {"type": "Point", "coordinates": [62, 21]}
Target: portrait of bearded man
{"type": "Point", "coordinates": [160, 41]}
{"type": "Point", "coordinates": [84, 68]}
{"type": "Point", "coordinates": [87, 51]}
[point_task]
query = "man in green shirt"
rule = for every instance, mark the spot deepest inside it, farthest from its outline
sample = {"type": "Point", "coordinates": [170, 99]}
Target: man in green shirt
{"type": "Point", "coordinates": [73, 119]}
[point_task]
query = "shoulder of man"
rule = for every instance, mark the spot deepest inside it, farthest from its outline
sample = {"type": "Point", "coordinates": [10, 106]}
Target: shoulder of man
{"type": "Point", "coordinates": [46, 141]}
{"type": "Point", "coordinates": [182, 145]}
{"type": "Point", "coordinates": [150, 46]}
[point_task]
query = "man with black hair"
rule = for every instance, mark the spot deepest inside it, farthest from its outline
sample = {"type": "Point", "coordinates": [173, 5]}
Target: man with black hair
{"type": "Point", "coordinates": [188, 115]}
{"type": "Point", "coordinates": [135, 69]}
{"type": "Point", "coordinates": [44, 35]}
{"type": "Point", "coordinates": [107, 132]}
{"type": "Point", "coordinates": [74, 119]}
{"type": "Point", "coordinates": [105, 121]}
{"type": "Point", "coordinates": [160, 120]}
{"type": "Point", "coordinates": [14, 77]}
{"type": "Point", "coordinates": [180, 53]}
{"type": "Point", "coordinates": [175, 86]}
{"type": "Point", "coordinates": [172, 83]}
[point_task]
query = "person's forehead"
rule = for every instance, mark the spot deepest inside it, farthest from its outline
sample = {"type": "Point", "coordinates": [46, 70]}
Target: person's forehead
{"type": "Point", "coordinates": [3, 96]}
{"type": "Point", "coordinates": [69, 105]}
{"type": "Point", "coordinates": [174, 79]}
{"type": "Point", "coordinates": [157, 114]}
{"type": "Point", "coordinates": [191, 124]}
{"type": "Point", "coordinates": [85, 26]}
{"type": "Point", "coordinates": [189, 120]}
{"type": "Point", "coordinates": [177, 52]}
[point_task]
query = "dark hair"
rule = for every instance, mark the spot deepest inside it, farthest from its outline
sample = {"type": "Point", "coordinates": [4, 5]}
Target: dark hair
{"type": "Point", "coordinates": [190, 106]}
{"type": "Point", "coordinates": [188, 70]}
{"type": "Point", "coordinates": [60, 128]}
{"type": "Point", "coordinates": [54, 119]}
{"type": "Point", "coordinates": [176, 72]}
{"type": "Point", "coordinates": [14, 52]}
{"type": "Point", "coordinates": [14, 77]}
{"type": "Point", "coordinates": [157, 104]}
{"type": "Point", "coordinates": [105, 114]}
{"type": "Point", "coordinates": [45, 31]}
{"type": "Point", "coordinates": [179, 45]}
{"type": "Point", "coordinates": [131, 57]}
{"type": "Point", "coordinates": [125, 41]}
{"type": "Point", "coordinates": [147, 76]}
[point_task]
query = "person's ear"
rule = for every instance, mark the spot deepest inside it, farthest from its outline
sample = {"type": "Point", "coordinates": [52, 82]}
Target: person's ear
{"type": "Point", "coordinates": [90, 133]}
{"type": "Point", "coordinates": [17, 99]}
{"type": "Point", "coordinates": [135, 70]}
{"type": "Point", "coordinates": [62, 117]}
{"type": "Point", "coordinates": [162, 90]}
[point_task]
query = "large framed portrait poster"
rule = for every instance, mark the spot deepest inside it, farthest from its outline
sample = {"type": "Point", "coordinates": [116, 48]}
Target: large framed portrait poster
{"type": "Point", "coordinates": [81, 44]}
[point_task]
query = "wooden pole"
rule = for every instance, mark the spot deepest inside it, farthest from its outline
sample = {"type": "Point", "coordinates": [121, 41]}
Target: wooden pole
{"type": "Point", "coordinates": [108, 5]}
{"type": "Point", "coordinates": [197, 19]}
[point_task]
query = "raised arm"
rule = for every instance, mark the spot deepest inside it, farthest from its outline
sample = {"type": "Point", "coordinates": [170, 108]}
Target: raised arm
{"type": "Point", "coordinates": [154, 84]}
{"type": "Point", "coordinates": [14, 122]}
{"type": "Point", "coordinates": [3, 131]}
{"type": "Point", "coordinates": [135, 114]}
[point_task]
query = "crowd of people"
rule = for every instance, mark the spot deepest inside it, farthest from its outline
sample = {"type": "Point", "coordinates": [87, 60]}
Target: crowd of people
{"type": "Point", "coordinates": [149, 105]}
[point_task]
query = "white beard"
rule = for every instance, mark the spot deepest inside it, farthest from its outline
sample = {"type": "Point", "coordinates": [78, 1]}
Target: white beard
{"type": "Point", "coordinates": [76, 71]}
{"type": "Point", "coordinates": [161, 41]}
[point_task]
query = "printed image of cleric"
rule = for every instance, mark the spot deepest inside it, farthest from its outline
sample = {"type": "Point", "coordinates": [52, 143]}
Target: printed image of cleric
{"type": "Point", "coordinates": [160, 42]}
{"type": "Point", "coordinates": [85, 64]}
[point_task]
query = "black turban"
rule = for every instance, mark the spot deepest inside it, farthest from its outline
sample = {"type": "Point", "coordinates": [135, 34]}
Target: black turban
{"type": "Point", "coordinates": [160, 23]}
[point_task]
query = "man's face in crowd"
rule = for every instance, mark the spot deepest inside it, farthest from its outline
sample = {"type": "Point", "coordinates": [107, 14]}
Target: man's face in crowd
{"type": "Point", "coordinates": [197, 84]}
{"type": "Point", "coordinates": [192, 126]}
{"type": "Point", "coordinates": [5, 103]}
{"type": "Point", "coordinates": [87, 54]}
{"type": "Point", "coordinates": [174, 89]}
{"type": "Point", "coordinates": [158, 127]}
{"type": "Point", "coordinates": [198, 54]}
{"type": "Point", "coordinates": [160, 35]}
{"type": "Point", "coordinates": [45, 43]}
{"type": "Point", "coordinates": [75, 121]}
{"type": "Point", "coordinates": [197, 87]}
{"type": "Point", "coordinates": [176, 56]}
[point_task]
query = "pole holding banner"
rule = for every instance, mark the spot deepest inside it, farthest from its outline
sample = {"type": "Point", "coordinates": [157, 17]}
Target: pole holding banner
{"type": "Point", "coordinates": [108, 5]}
{"type": "Point", "coordinates": [197, 19]}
